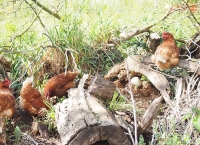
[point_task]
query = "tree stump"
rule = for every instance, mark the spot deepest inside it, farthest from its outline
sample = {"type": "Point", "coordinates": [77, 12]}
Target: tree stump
{"type": "Point", "coordinates": [83, 119]}
{"type": "Point", "coordinates": [101, 88]}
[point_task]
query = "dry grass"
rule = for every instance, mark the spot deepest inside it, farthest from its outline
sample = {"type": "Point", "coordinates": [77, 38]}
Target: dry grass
{"type": "Point", "coordinates": [53, 62]}
{"type": "Point", "coordinates": [177, 121]}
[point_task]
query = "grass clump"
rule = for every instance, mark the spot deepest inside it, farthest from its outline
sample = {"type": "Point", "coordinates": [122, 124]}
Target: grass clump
{"type": "Point", "coordinates": [181, 124]}
{"type": "Point", "coordinates": [119, 103]}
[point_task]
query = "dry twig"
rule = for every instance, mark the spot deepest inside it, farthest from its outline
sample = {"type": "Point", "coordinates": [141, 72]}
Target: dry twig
{"type": "Point", "coordinates": [138, 31]}
{"type": "Point", "coordinates": [133, 104]}
{"type": "Point", "coordinates": [47, 10]}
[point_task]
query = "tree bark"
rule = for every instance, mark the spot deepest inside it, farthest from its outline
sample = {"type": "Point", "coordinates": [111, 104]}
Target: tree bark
{"type": "Point", "coordinates": [190, 65]}
{"type": "Point", "coordinates": [149, 115]}
{"type": "Point", "coordinates": [101, 88]}
{"type": "Point", "coordinates": [83, 119]}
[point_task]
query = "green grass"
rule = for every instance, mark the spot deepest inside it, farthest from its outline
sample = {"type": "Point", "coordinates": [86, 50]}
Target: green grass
{"type": "Point", "coordinates": [84, 27]}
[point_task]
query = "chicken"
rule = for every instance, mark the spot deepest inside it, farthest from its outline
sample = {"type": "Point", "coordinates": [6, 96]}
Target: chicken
{"type": "Point", "coordinates": [60, 84]}
{"type": "Point", "coordinates": [7, 100]}
{"type": "Point", "coordinates": [167, 54]}
{"type": "Point", "coordinates": [31, 99]}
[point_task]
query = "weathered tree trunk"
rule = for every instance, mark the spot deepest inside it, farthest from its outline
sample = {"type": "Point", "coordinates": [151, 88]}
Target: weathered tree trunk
{"type": "Point", "coordinates": [101, 88]}
{"type": "Point", "coordinates": [83, 119]}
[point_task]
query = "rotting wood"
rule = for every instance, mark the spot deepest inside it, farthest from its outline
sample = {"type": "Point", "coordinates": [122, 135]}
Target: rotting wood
{"type": "Point", "coordinates": [139, 63]}
{"type": "Point", "coordinates": [101, 88]}
{"type": "Point", "coordinates": [191, 66]}
{"type": "Point", "coordinates": [83, 119]}
{"type": "Point", "coordinates": [186, 64]}
{"type": "Point", "coordinates": [157, 79]}
{"type": "Point", "coordinates": [149, 115]}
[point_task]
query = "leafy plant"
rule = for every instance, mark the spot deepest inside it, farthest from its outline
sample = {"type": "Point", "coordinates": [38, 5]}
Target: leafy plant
{"type": "Point", "coordinates": [50, 116]}
{"type": "Point", "coordinates": [17, 133]}
{"type": "Point", "coordinates": [196, 118]}
{"type": "Point", "coordinates": [144, 78]}
{"type": "Point", "coordinates": [141, 140]}
{"type": "Point", "coordinates": [118, 103]}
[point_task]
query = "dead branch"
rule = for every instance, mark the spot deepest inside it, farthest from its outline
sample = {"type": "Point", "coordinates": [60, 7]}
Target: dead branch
{"type": "Point", "coordinates": [139, 63]}
{"type": "Point", "coordinates": [149, 115]}
{"type": "Point", "coordinates": [3, 134]}
{"type": "Point", "coordinates": [20, 35]}
{"type": "Point", "coordinates": [157, 79]}
{"type": "Point", "coordinates": [133, 104]}
{"type": "Point", "coordinates": [188, 7]}
{"type": "Point", "coordinates": [36, 13]}
{"type": "Point", "coordinates": [138, 31]}
{"type": "Point", "coordinates": [47, 10]}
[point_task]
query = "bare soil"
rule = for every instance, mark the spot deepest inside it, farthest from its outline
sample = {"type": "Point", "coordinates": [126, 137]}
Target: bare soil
{"type": "Point", "coordinates": [24, 121]}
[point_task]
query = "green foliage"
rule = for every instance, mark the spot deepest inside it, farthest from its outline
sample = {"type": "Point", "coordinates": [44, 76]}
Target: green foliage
{"type": "Point", "coordinates": [166, 132]}
{"type": "Point", "coordinates": [168, 136]}
{"type": "Point", "coordinates": [61, 99]}
{"type": "Point", "coordinates": [136, 45]}
{"type": "Point", "coordinates": [17, 133]}
{"type": "Point", "coordinates": [50, 116]}
{"type": "Point", "coordinates": [84, 28]}
{"type": "Point", "coordinates": [141, 140]}
{"type": "Point", "coordinates": [118, 103]}
{"type": "Point", "coordinates": [10, 28]}
{"type": "Point", "coordinates": [144, 78]}
{"type": "Point", "coordinates": [196, 118]}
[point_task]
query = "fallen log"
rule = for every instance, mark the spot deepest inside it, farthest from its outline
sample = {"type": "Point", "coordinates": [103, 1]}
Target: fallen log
{"type": "Point", "coordinates": [101, 88]}
{"type": "Point", "coordinates": [83, 119]}
{"type": "Point", "coordinates": [190, 65]}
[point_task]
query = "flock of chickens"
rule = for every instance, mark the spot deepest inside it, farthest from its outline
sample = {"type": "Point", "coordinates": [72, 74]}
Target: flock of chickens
{"type": "Point", "coordinates": [31, 99]}
{"type": "Point", "coordinates": [166, 56]}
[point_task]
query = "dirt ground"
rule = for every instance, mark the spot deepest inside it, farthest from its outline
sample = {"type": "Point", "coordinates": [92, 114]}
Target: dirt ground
{"type": "Point", "coordinates": [24, 121]}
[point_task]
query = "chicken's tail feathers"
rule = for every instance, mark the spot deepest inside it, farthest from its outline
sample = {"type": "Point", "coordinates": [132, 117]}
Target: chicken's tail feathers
{"type": "Point", "coordinates": [161, 58]}
{"type": "Point", "coordinates": [28, 80]}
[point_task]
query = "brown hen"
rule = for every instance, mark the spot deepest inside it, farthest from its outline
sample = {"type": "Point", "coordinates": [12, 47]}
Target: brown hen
{"type": "Point", "coordinates": [167, 54]}
{"type": "Point", "coordinates": [7, 100]}
{"type": "Point", "coordinates": [60, 84]}
{"type": "Point", "coordinates": [31, 99]}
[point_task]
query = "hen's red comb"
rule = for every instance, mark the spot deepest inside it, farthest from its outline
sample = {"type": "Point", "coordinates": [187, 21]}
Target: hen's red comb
{"type": "Point", "coordinates": [6, 79]}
